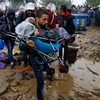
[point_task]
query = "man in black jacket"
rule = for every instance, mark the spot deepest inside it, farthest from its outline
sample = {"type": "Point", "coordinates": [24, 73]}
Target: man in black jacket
{"type": "Point", "coordinates": [67, 23]}
{"type": "Point", "coordinates": [66, 19]}
{"type": "Point", "coordinates": [8, 24]}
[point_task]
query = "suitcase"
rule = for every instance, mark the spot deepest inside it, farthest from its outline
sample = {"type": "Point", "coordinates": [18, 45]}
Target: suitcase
{"type": "Point", "coordinates": [70, 54]}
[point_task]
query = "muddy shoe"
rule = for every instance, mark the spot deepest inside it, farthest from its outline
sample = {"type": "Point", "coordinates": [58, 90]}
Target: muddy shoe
{"type": "Point", "coordinates": [12, 64]}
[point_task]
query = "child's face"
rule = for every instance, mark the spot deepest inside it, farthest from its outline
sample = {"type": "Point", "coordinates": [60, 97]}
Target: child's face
{"type": "Point", "coordinates": [36, 32]}
{"type": "Point", "coordinates": [32, 21]}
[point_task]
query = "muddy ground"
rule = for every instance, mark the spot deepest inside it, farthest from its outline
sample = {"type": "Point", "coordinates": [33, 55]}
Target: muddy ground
{"type": "Point", "coordinates": [81, 83]}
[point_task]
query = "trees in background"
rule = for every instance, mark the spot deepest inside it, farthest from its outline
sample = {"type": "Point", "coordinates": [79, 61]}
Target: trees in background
{"type": "Point", "coordinates": [93, 2]}
{"type": "Point", "coordinates": [17, 3]}
{"type": "Point", "coordinates": [56, 2]}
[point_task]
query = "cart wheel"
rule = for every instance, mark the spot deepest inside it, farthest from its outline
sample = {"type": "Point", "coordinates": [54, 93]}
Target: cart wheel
{"type": "Point", "coordinates": [66, 69]}
{"type": "Point", "coordinates": [63, 69]}
{"type": "Point", "coordinates": [50, 71]}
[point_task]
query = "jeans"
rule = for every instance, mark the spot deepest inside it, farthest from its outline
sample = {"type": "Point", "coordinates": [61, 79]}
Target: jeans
{"type": "Point", "coordinates": [38, 71]}
{"type": "Point", "coordinates": [60, 51]}
{"type": "Point", "coordinates": [24, 57]}
{"type": "Point", "coordinates": [10, 45]}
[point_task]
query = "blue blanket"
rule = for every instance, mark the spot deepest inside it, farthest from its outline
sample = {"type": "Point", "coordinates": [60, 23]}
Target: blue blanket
{"type": "Point", "coordinates": [45, 47]}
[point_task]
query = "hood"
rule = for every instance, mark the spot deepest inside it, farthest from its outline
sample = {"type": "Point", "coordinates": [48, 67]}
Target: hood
{"type": "Point", "coordinates": [25, 28]}
{"type": "Point", "coordinates": [50, 12]}
{"type": "Point", "coordinates": [51, 7]}
{"type": "Point", "coordinates": [67, 14]}
{"type": "Point", "coordinates": [30, 6]}
{"type": "Point", "coordinates": [10, 11]}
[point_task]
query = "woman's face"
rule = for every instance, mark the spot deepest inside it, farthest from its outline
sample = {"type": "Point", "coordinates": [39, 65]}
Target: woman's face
{"type": "Point", "coordinates": [32, 21]}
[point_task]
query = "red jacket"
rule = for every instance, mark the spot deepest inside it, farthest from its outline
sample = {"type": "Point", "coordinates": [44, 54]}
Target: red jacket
{"type": "Point", "coordinates": [52, 19]}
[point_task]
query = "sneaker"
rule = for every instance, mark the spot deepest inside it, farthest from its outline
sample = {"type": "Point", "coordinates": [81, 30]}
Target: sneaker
{"type": "Point", "coordinates": [12, 64]}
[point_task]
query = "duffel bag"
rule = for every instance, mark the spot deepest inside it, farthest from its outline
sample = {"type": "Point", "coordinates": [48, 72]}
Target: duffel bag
{"type": "Point", "coordinates": [70, 54]}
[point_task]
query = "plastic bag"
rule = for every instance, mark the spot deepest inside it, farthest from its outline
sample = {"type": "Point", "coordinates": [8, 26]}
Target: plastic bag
{"type": "Point", "coordinates": [2, 65]}
{"type": "Point", "coordinates": [25, 28]}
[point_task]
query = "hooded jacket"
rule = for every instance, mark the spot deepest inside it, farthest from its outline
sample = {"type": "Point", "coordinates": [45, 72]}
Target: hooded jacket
{"type": "Point", "coordinates": [9, 23]}
{"type": "Point", "coordinates": [52, 21]}
{"type": "Point", "coordinates": [10, 11]}
{"type": "Point", "coordinates": [67, 23]}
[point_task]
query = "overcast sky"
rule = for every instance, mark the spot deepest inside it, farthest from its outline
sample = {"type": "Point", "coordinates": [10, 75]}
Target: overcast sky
{"type": "Point", "coordinates": [78, 2]}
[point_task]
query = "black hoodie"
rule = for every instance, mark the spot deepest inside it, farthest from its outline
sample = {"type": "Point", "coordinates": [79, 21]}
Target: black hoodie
{"type": "Point", "coordinates": [9, 23]}
{"type": "Point", "coordinates": [67, 23]}
{"type": "Point", "coordinates": [10, 11]}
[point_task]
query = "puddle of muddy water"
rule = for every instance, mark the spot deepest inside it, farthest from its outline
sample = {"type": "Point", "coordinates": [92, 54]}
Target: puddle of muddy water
{"type": "Point", "coordinates": [63, 84]}
{"type": "Point", "coordinates": [86, 74]}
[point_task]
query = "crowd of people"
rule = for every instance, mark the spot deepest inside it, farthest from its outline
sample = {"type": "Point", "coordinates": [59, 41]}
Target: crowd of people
{"type": "Point", "coordinates": [91, 11]}
{"type": "Point", "coordinates": [34, 21]}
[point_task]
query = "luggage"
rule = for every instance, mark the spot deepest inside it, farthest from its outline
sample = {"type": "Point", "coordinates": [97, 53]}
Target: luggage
{"type": "Point", "coordinates": [70, 53]}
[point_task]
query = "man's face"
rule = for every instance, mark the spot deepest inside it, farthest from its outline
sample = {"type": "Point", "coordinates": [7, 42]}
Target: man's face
{"type": "Point", "coordinates": [42, 22]}
{"type": "Point", "coordinates": [59, 11]}
{"type": "Point", "coordinates": [30, 12]}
